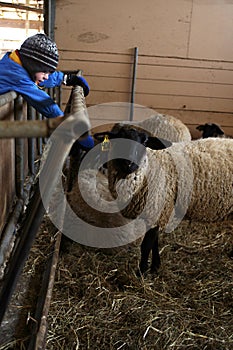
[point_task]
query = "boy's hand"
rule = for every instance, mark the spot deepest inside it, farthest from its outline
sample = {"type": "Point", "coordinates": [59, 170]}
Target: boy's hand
{"type": "Point", "coordinates": [74, 80]}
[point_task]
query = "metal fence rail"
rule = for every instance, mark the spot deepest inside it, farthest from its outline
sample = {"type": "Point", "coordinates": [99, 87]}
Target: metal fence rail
{"type": "Point", "coordinates": [58, 151]}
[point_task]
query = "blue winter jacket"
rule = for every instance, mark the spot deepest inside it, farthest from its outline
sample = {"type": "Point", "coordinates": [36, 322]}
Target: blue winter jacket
{"type": "Point", "coordinates": [14, 77]}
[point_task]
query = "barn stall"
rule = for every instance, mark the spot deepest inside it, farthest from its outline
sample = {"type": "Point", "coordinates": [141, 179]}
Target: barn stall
{"type": "Point", "coordinates": [97, 300]}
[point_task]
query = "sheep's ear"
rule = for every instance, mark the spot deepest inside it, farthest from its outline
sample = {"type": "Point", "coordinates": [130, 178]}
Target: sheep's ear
{"type": "Point", "coordinates": [157, 143]}
{"type": "Point", "coordinates": [219, 130]}
{"type": "Point", "coordinates": [200, 127]}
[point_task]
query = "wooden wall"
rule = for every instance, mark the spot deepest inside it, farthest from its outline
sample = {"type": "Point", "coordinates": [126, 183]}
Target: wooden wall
{"type": "Point", "coordinates": [185, 55]}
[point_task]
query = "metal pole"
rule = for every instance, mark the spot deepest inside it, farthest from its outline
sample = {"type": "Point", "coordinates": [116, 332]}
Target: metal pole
{"type": "Point", "coordinates": [133, 83]}
{"type": "Point", "coordinates": [7, 97]}
{"type": "Point", "coordinates": [29, 128]}
{"type": "Point", "coordinates": [31, 143]}
{"type": "Point", "coordinates": [19, 149]}
{"type": "Point", "coordinates": [49, 17]}
{"type": "Point", "coordinates": [39, 140]}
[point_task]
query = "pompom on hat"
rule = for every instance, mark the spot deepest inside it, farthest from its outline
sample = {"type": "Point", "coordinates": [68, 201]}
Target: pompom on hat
{"type": "Point", "coordinates": [42, 50]}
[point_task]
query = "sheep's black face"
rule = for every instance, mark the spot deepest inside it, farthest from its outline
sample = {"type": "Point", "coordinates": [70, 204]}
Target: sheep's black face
{"type": "Point", "coordinates": [210, 130]}
{"type": "Point", "coordinates": [128, 153]}
{"type": "Point", "coordinates": [128, 147]}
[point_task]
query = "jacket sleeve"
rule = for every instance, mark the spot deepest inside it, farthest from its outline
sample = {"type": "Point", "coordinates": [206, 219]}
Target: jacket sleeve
{"type": "Point", "coordinates": [55, 79]}
{"type": "Point", "coordinates": [40, 100]}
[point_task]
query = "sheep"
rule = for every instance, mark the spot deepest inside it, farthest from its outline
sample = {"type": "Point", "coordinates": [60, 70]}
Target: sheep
{"type": "Point", "coordinates": [166, 127]}
{"type": "Point", "coordinates": [210, 130]}
{"type": "Point", "coordinates": [190, 180]}
{"type": "Point", "coordinates": [94, 184]}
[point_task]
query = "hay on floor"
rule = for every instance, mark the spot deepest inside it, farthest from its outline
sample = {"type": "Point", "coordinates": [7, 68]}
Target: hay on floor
{"type": "Point", "coordinates": [99, 303]}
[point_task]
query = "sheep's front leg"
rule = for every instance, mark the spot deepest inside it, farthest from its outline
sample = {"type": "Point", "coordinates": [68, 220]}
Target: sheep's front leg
{"type": "Point", "coordinates": [150, 243]}
{"type": "Point", "coordinates": [155, 264]}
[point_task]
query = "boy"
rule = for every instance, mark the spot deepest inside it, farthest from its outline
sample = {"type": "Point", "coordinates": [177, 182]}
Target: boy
{"type": "Point", "coordinates": [32, 67]}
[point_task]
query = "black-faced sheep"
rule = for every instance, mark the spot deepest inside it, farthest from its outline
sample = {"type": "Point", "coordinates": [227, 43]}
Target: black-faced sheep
{"type": "Point", "coordinates": [191, 180]}
{"type": "Point", "coordinates": [94, 184]}
{"type": "Point", "coordinates": [210, 130]}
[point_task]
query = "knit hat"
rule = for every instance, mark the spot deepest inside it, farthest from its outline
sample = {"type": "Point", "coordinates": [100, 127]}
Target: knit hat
{"type": "Point", "coordinates": [41, 49]}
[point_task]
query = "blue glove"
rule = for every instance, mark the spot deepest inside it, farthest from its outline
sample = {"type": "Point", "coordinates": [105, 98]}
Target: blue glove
{"type": "Point", "coordinates": [73, 80]}
{"type": "Point", "coordinates": [87, 143]}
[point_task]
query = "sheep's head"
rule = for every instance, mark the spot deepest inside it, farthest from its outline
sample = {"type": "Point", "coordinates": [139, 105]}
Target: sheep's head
{"type": "Point", "coordinates": [210, 130]}
{"type": "Point", "coordinates": [128, 146]}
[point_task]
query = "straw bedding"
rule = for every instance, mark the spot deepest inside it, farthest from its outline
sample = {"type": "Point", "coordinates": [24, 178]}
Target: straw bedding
{"type": "Point", "coordinates": [99, 303]}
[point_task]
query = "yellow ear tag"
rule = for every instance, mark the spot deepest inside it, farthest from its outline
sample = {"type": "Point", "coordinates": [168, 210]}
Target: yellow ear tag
{"type": "Point", "coordinates": [106, 144]}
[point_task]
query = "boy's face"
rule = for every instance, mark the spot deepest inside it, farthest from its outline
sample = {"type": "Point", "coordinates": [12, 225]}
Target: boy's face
{"type": "Point", "coordinates": [41, 76]}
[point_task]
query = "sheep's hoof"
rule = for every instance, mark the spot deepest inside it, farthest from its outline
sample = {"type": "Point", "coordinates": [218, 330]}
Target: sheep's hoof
{"type": "Point", "coordinates": [142, 271]}
{"type": "Point", "coordinates": [154, 271]}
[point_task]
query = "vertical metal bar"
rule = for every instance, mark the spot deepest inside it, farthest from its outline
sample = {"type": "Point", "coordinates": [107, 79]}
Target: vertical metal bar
{"type": "Point", "coordinates": [19, 150]}
{"type": "Point", "coordinates": [49, 17]}
{"type": "Point", "coordinates": [133, 83]}
{"type": "Point", "coordinates": [39, 140]}
{"type": "Point", "coordinates": [59, 96]}
{"type": "Point", "coordinates": [31, 142]}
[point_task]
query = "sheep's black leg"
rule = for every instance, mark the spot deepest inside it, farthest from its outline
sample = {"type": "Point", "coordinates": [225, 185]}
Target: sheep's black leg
{"type": "Point", "coordinates": [150, 243]}
{"type": "Point", "coordinates": [155, 264]}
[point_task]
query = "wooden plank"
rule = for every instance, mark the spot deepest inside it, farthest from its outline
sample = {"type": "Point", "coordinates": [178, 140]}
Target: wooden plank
{"type": "Point", "coordinates": [184, 103]}
{"type": "Point", "coordinates": [197, 118]}
{"type": "Point", "coordinates": [156, 73]}
{"type": "Point", "coordinates": [172, 88]}
{"type": "Point", "coordinates": [143, 60]}
{"type": "Point", "coordinates": [187, 74]}
{"type": "Point", "coordinates": [98, 69]}
{"type": "Point", "coordinates": [20, 23]}
{"type": "Point", "coordinates": [191, 103]}
{"type": "Point", "coordinates": [96, 56]}
{"type": "Point", "coordinates": [184, 62]}
{"type": "Point", "coordinates": [177, 88]}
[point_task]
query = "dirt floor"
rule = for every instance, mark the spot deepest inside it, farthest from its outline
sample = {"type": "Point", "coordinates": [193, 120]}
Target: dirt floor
{"type": "Point", "coordinates": [99, 303]}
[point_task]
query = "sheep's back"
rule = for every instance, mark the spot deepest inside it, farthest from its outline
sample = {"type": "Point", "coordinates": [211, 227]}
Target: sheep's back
{"type": "Point", "coordinates": [167, 127]}
{"type": "Point", "coordinates": [212, 197]}
{"type": "Point", "coordinates": [202, 179]}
